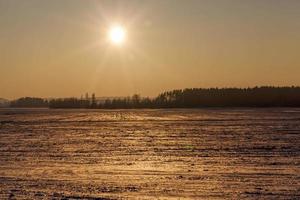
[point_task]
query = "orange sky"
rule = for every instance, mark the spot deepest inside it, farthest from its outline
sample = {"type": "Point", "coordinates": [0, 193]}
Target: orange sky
{"type": "Point", "coordinates": [59, 48]}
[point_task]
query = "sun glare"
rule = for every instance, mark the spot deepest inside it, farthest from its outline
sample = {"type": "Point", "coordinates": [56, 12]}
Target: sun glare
{"type": "Point", "coordinates": [117, 35]}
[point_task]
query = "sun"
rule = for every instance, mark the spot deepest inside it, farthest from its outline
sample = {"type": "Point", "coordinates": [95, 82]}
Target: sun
{"type": "Point", "coordinates": [117, 34]}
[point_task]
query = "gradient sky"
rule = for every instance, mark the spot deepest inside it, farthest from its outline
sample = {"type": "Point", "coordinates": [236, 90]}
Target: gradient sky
{"type": "Point", "coordinates": [59, 48]}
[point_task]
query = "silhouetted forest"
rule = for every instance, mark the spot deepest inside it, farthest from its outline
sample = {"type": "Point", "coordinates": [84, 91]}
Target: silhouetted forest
{"type": "Point", "coordinates": [29, 102]}
{"type": "Point", "coordinates": [187, 98]}
{"type": "Point", "coordinates": [196, 97]}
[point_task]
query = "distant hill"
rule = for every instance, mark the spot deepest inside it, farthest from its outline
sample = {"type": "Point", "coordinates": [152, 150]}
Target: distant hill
{"type": "Point", "coordinates": [4, 102]}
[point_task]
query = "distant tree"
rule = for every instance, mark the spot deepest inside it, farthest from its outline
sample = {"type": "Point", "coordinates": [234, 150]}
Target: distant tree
{"type": "Point", "coordinates": [136, 99]}
{"type": "Point", "coordinates": [94, 103]}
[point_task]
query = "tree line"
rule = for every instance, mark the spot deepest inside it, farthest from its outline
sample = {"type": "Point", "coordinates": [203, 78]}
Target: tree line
{"type": "Point", "coordinates": [29, 102]}
{"type": "Point", "coordinates": [186, 98]}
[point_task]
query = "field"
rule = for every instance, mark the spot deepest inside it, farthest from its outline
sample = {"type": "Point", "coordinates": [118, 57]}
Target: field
{"type": "Point", "coordinates": [150, 154]}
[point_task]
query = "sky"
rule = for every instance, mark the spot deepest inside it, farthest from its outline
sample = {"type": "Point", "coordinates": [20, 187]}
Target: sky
{"type": "Point", "coordinates": [59, 48]}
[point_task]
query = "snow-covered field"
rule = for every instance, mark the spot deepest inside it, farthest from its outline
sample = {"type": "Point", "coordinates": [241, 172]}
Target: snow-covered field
{"type": "Point", "coordinates": [150, 154]}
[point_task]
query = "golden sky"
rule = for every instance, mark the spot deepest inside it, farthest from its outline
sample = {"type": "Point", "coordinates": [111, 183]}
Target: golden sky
{"type": "Point", "coordinates": [59, 48]}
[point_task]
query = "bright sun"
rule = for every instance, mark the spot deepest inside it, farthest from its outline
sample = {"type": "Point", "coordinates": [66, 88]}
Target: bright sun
{"type": "Point", "coordinates": [117, 35]}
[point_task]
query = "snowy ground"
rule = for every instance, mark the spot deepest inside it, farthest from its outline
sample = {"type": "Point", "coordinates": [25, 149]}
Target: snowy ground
{"type": "Point", "coordinates": [150, 154]}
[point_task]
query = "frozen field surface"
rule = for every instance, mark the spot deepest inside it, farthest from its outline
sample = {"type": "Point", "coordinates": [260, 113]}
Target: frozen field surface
{"type": "Point", "coordinates": [150, 154]}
